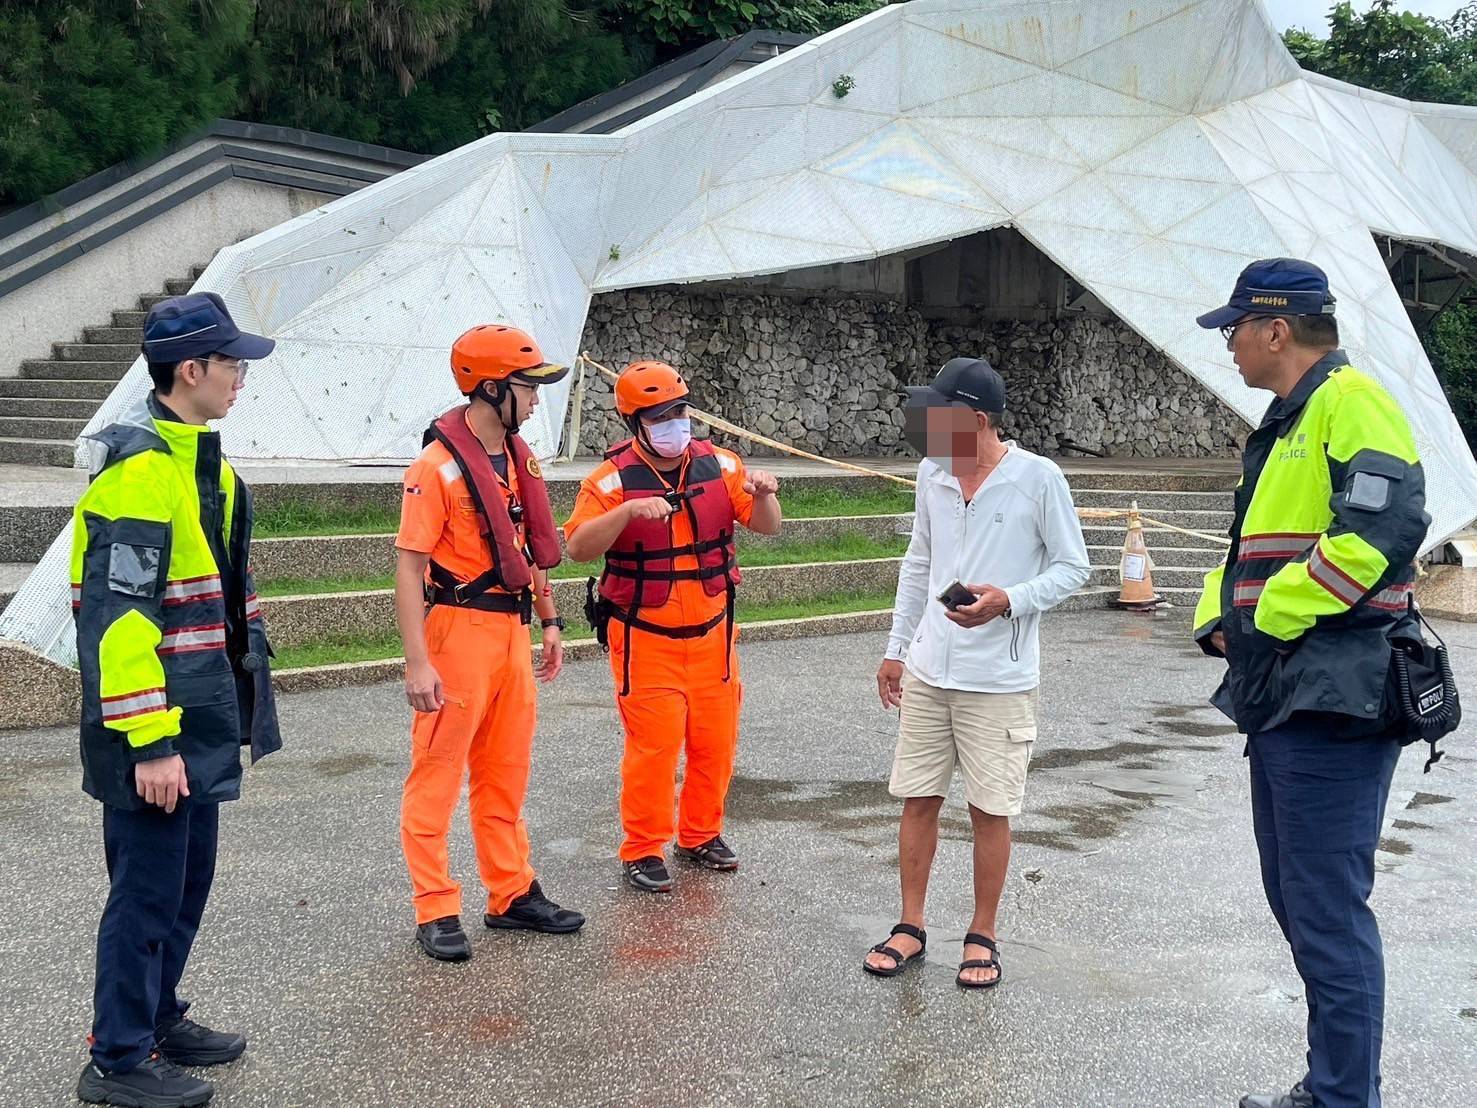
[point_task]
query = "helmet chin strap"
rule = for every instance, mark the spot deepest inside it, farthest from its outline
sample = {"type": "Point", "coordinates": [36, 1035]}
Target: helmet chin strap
{"type": "Point", "coordinates": [495, 392]}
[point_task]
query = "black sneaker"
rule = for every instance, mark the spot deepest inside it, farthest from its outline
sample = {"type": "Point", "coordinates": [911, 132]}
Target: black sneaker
{"type": "Point", "coordinates": [713, 854]}
{"type": "Point", "coordinates": [533, 911]}
{"type": "Point", "coordinates": [186, 1043]}
{"type": "Point", "coordinates": [649, 875]}
{"type": "Point", "coordinates": [444, 939]}
{"type": "Point", "coordinates": [1297, 1097]}
{"type": "Point", "coordinates": [154, 1083]}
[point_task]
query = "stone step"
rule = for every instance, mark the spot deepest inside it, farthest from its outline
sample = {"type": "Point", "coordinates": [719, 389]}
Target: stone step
{"type": "Point", "coordinates": [130, 318]}
{"type": "Point", "coordinates": [298, 620]}
{"type": "Point", "coordinates": [1152, 501]}
{"type": "Point", "coordinates": [65, 388]}
{"type": "Point", "coordinates": [1200, 559]}
{"type": "Point", "coordinates": [149, 300]}
{"type": "Point", "coordinates": [36, 452]}
{"type": "Point", "coordinates": [40, 427]}
{"type": "Point", "coordinates": [131, 335]}
{"type": "Point", "coordinates": [46, 408]}
{"type": "Point", "coordinates": [1157, 538]}
{"type": "Point", "coordinates": [12, 574]}
{"type": "Point", "coordinates": [96, 351]}
{"type": "Point", "coordinates": [26, 532]}
{"type": "Point", "coordinates": [51, 369]}
{"type": "Point", "coordinates": [349, 674]}
{"type": "Point", "coordinates": [1165, 577]}
{"type": "Point", "coordinates": [178, 286]}
{"type": "Point", "coordinates": [365, 555]}
{"type": "Point", "coordinates": [1216, 476]}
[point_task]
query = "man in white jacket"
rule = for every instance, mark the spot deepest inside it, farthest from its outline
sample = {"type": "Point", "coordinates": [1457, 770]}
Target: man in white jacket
{"type": "Point", "coordinates": [1000, 521]}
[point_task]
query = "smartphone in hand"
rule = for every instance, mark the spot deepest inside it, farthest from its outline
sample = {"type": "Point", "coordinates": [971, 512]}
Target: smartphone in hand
{"type": "Point", "coordinates": [956, 596]}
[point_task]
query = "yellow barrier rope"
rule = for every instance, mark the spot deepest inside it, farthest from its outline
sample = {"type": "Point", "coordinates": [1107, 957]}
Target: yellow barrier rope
{"type": "Point", "coordinates": [733, 429]}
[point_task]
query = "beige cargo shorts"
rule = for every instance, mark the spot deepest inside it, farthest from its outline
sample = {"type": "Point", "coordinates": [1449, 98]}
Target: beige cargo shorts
{"type": "Point", "coordinates": [987, 735]}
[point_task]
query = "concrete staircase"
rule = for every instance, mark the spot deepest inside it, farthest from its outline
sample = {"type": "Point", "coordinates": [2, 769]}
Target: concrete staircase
{"type": "Point", "coordinates": [45, 407]}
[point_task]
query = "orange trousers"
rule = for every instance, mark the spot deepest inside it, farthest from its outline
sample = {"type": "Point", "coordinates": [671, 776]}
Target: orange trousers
{"type": "Point", "coordinates": [483, 731]}
{"type": "Point", "coordinates": [678, 701]}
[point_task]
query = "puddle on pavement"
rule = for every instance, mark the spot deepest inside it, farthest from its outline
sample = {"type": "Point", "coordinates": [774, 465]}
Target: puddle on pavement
{"type": "Point", "coordinates": [1179, 711]}
{"type": "Point", "coordinates": [1193, 730]}
{"type": "Point", "coordinates": [1080, 825]}
{"type": "Point", "coordinates": [341, 765]}
{"type": "Point", "coordinates": [1067, 757]}
{"type": "Point", "coordinates": [1425, 800]}
{"type": "Point", "coordinates": [838, 806]}
{"type": "Point", "coordinates": [1150, 785]}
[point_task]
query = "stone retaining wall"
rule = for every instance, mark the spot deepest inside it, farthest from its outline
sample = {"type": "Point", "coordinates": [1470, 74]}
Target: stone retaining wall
{"type": "Point", "coordinates": [824, 373]}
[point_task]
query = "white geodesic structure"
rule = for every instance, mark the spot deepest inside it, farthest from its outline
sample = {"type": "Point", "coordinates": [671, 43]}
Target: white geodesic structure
{"type": "Point", "coordinates": [1151, 149]}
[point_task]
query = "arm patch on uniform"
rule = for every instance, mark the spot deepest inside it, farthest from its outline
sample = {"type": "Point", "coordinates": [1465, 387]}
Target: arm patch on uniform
{"type": "Point", "coordinates": [1369, 492]}
{"type": "Point", "coordinates": [133, 569]}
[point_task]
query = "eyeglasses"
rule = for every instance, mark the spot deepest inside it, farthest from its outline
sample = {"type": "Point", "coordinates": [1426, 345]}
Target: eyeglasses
{"type": "Point", "coordinates": [1228, 332]}
{"type": "Point", "coordinates": [238, 366]}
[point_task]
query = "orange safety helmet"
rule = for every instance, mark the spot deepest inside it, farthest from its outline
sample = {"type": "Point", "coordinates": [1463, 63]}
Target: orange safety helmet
{"type": "Point", "coordinates": [648, 384]}
{"type": "Point", "coordinates": [496, 352]}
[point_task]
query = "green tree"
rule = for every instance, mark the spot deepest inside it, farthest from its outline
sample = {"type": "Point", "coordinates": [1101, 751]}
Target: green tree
{"type": "Point", "coordinates": [678, 25]}
{"type": "Point", "coordinates": [1452, 346]}
{"type": "Point", "coordinates": [1419, 58]}
{"type": "Point", "coordinates": [1399, 52]}
{"type": "Point", "coordinates": [85, 85]}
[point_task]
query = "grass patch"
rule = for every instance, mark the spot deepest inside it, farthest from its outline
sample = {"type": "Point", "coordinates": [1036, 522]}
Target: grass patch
{"type": "Point", "coordinates": [841, 548]}
{"type": "Point", "coordinates": [885, 499]}
{"type": "Point", "coordinates": [291, 519]}
{"type": "Point", "coordinates": [360, 648]}
{"type": "Point", "coordinates": [285, 519]}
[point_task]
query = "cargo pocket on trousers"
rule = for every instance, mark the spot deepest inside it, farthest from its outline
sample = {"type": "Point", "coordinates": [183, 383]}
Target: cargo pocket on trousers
{"type": "Point", "coordinates": [1021, 734]}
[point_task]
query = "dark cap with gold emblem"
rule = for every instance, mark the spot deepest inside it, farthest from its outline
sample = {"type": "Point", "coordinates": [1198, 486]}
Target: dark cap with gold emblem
{"type": "Point", "coordinates": [1274, 286]}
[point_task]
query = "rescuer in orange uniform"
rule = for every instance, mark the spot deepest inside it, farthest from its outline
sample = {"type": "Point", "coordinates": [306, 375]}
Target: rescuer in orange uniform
{"type": "Point", "coordinates": [661, 508]}
{"type": "Point", "coordinates": [476, 540]}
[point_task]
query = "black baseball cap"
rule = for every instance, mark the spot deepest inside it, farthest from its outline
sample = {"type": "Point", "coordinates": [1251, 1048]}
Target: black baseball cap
{"type": "Point", "coordinates": [1275, 286]}
{"type": "Point", "coordinates": [970, 381]}
{"type": "Point", "coordinates": [189, 326]}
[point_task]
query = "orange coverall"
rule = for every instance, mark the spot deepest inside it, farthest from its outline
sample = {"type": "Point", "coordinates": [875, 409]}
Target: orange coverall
{"type": "Point", "coordinates": [487, 722]}
{"type": "Point", "coordinates": [679, 698]}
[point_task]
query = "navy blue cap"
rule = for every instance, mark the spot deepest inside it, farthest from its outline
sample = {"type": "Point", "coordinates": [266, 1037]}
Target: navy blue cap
{"type": "Point", "coordinates": [1275, 286]}
{"type": "Point", "coordinates": [964, 381]}
{"type": "Point", "coordinates": [189, 326]}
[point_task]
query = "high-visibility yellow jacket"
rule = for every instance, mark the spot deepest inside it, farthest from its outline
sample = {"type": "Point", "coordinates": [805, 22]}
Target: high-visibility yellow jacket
{"type": "Point", "coordinates": [170, 639]}
{"type": "Point", "coordinates": [1330, 514]}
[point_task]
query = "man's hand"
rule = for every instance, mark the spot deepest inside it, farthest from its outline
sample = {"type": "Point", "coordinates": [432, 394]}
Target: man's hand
{"type": "Point", "coordinates": [991, 604]}
{"type": "Point", "coordinates": [890, 682]}
{"type": "Point", "coordinates": [552, 660]}
{"type": "Point", "coordinates": [423, 687]}
{"type": "Point", "coordinates": [648, 507]}
{"type": "Point", "coordinates": [162, 781]}
{"type": "Point", "coordinates": [760, 484]}
{"type": "Point", "coordinates": [1218, 640]}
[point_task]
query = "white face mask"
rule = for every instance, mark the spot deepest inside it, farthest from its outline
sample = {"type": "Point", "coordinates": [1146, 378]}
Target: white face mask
{"type": "Point", "coordinates": [670, 437]}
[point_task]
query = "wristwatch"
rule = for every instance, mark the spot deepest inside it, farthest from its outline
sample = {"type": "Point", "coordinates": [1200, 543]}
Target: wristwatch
{"type": "Point", "coordinates": [557, 621]}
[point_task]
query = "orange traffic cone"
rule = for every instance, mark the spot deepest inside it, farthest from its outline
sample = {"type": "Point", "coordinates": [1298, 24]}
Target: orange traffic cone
{"type": "Point", "coordinates": [1135, 568]}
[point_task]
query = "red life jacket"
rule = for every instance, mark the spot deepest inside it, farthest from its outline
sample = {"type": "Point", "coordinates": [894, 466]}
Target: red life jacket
{"type": "Point", "coordinates": [643, 553]}
{"type": "Point", "coordinates": [510, 563]}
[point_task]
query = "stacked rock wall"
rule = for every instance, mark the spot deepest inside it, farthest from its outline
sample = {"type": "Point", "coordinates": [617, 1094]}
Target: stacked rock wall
{"type": "Point", "coordinates": [825, 373]}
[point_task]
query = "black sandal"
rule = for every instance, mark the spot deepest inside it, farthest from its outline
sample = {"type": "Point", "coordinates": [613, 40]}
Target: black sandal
{"type": "Point", "coordinates": [992, 962]}
{"type": "Point", "coordinates": [899, 963]}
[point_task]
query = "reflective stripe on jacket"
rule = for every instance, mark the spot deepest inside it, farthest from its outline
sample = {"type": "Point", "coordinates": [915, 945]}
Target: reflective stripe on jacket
{"type": "Point", "coordinates": [1330, 515]}
{"type": "Point", "coordinates": [170, 637]}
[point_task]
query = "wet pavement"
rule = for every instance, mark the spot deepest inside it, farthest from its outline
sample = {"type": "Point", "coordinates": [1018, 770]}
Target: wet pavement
{"type": "Point", "coordinates": [1142, 966]}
